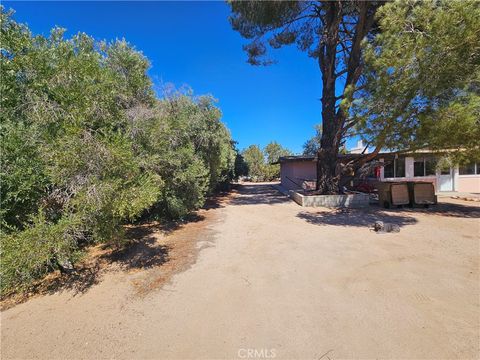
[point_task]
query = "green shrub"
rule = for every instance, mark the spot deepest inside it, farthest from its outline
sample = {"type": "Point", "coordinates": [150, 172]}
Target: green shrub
{"type": "Point", "coordinates": [29, 254]}
{"type": "Point", "coordinates": [87, 148]}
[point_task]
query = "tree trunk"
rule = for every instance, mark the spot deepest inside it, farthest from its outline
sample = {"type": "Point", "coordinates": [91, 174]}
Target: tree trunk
{"type": "Point", "coordinates": [327, 180]}
{"type": "Point", "coordinates": [333, 116]}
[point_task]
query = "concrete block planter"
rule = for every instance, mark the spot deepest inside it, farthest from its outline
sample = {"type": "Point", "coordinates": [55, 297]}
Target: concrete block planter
{"type": "Point", "coordinates": [332, 201]}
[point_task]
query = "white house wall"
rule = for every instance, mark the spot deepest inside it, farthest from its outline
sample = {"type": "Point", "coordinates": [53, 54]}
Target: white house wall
{"type": "Point", "coordinates": [467, 183]}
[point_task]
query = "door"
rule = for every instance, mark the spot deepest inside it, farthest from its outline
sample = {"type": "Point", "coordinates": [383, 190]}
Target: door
{"type": "Point", "coordinates": [445, 180]}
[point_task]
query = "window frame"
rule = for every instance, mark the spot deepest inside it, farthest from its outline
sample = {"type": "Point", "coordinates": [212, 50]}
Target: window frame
{"type": "Point", "coordinates": [476, 170]}
{"type": "Point", "coordinates": [404, 167]}
{"type": "Point", "coordinates": [394, 164]}
{"type": "Point", "coordinates": [424, 160]}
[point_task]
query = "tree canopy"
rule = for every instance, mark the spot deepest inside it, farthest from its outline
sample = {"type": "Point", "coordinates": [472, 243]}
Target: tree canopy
{"type": "Point", "coordinates": [402, 74]}
{"type": "Point", "coordinates": [255, 160]}
{"type": "Point", "coordinates": [312, 145]}
{"type": "Point", "coordinates": [423, 78]}
{"type": "Point", "coordinates": [263, 165]}
{"type": "Point", "coordinates": [273, 151]}
{"type": "Point", "coordinates": [331, 32]}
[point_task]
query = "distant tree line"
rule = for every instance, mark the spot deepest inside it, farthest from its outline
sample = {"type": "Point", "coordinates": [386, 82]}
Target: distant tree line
{"type": "Point", "coordinates": [262, 165]}
{"type": "Point", "coordinates": [86, 147]}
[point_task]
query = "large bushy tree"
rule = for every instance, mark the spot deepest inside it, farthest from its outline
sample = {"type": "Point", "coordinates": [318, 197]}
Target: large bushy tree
{"type": "Point", "coordinates": [273, 151]}
{"type": "Point", "coordinates": [255, 160]}
{"type": "Point", "coordinates": [331, 32]}
{"type": "Point", "coordinates": [86, 147]}
{"type": "Point", "coordinates": [262, 165]}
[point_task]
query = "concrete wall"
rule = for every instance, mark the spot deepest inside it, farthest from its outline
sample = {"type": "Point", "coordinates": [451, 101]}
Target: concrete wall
{"type": "Point", "coordinates": [297, 171]}
{"type": "Point", "coordinates": [332, 201]}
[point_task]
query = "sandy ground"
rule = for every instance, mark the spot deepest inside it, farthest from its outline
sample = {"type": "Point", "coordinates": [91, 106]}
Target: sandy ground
{"type": "Point", "coordinates": [277, 280]}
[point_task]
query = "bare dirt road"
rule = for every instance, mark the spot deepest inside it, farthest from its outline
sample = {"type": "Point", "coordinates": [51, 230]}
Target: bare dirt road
{"type": "Point", "coordinates": [275, 280]}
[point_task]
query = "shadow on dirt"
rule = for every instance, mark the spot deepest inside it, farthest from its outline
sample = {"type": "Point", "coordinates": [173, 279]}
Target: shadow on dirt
{"type": "Point", "coordinates": [165, 226]}
{"type": "Point", "coordinates": [141, 250]}
{"type": "Point", "coordinates": [258, 194]}
{"type": "Point", "coordinates": [354, 218]}
{"type": "Point", "coordinates": [78, 282]}
{"type": "Point", "coordinates": [141, 253]}
{"type": "Point", "coordinates": [401, 216]}
{"type": "Point", "coordinates": [450, 210]}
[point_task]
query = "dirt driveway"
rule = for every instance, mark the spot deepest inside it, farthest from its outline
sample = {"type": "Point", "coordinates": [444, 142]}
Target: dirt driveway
{"type": "Point", "coordinates": [275, 280]}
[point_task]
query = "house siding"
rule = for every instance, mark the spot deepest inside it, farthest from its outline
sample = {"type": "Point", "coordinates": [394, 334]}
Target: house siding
{"type": "Point", "coordinates": [294, 173]}
{"type": "Point", "coordinates": [297, 171]}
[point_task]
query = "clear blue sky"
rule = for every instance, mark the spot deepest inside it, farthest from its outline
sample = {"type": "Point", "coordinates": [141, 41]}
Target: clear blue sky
{"type": "Point", "coordinates": [192, 43]}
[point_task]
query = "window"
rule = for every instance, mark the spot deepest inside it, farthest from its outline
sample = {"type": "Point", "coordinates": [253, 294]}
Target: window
{"type": "Point", "coordinates": [424, 167]}
{"type": "Point", "coordinates": [468, 169]}
{"type": "Point", "coordinates": [396, 168]}
{"type": "Point", "coordinates": [419, 167]}
{"type": "Point", "coordinates": [388, 170]}
{"type": "Point", "coordinates": [430, 166]}
{"type": "Point", "coordinates": [400, 167]}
